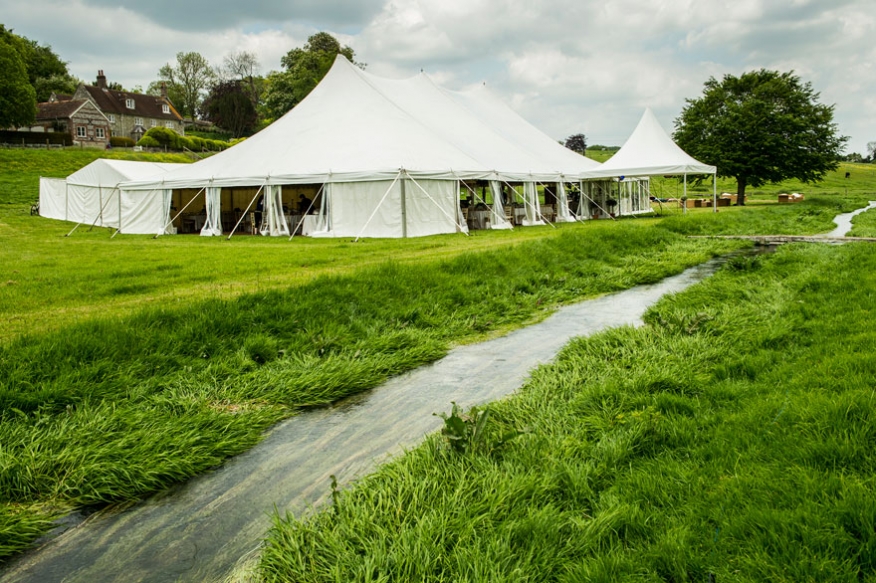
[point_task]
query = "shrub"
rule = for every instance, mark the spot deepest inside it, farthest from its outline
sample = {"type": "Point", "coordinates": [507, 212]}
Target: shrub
{"type": "Point", "coordinates": [148, 142]}
{"type": "Point", "coordinates": [121, 142]}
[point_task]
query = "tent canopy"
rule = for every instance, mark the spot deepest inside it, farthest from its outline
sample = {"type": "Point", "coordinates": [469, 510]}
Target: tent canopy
{"type": "Point", "coordinates": [650, 151]}
{"type": "Point", "coordinates": [356, 127]}
{"type": "Point", "coordinates": [107, 172]}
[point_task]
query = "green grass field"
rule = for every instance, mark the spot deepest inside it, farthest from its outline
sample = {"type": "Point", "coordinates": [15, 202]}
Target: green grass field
{"type": "Point", "coordinates": [729, 438]}
{"type": "Point", "coordinates": [130, 364]}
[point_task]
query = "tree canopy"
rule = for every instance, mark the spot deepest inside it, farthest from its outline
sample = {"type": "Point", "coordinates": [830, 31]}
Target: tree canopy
{"type": "Point", "coordinates": [763, 126]}
{"type": "Point", "coordinates": [187, 82]}
{"type": "Point", "coordinates": [577, 143]}
{"type": "Point", "coordinates": [230, 108]}
{"type": "Point", "coordinates": [45, 70]}
{"type": "Point", "coordinates": [17, 95]}
{"type": "Point", "coordinates": [304, 67]}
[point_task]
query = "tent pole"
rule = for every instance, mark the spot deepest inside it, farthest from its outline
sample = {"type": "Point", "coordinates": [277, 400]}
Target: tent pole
{"type": "Point", "coordinates": [404, 208]}
{"type": "Point", "coordinates": [120, 211]}
{"type": "Point", "coordinates": [182, 210]}
{"type": "Point", "coordinates": [715, 192]}
{"type": "Point", "coordinates": [684, 195]}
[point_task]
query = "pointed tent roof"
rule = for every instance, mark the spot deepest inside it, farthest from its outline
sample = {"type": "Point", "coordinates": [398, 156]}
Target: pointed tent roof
{"type": "Point", "coordinates": [650, 151]}
{"type": "Point", "coordinates": [355, 126]}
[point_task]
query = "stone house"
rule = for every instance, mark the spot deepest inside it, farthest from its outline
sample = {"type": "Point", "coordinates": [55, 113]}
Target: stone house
{"type": "Point", "coordinates": [78, 117]}
{"type": "Point", "coordinates": [131, 114]}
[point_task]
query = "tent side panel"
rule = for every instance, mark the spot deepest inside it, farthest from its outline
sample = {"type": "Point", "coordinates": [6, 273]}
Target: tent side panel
{"type": "Point", "coordinates": [354, 203]}
{"type": "Point", "coordinates": [432, 207]}
{"type": "Point", "coordinates": [53, 192]}
{"type": "Point", "coordinates": [83, 205]}
{"type": "Point", "coordinates": [143, 212]}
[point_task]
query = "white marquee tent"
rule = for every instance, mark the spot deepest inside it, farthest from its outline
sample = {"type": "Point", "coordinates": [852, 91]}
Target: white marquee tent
{"type": "Point", "coordinates": [92, 195]}
{"type": "Point", "coordinates": [650, 151]}
{"type": "Point", "coordinates": [388, 156]}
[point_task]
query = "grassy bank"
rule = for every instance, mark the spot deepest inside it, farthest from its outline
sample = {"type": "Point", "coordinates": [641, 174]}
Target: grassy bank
{"type": "Point", "coordinates": [732, 436]}
{"type": "Point", "coordinates": [130, 364]}
{"type": "Point", "coordinates": [113, 408]}
{"type": "Point", "coordinates": [864, 225]}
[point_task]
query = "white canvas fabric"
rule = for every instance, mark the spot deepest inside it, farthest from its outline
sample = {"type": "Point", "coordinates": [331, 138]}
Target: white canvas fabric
{"type": "Point", "coordinates": [92, 194]}
{"type": "Point", "coordinates": [497, 218]}
{"type": "Point", "coordinates": [358, 127]}
{"type": "Point", "coordinates": [650, 151]}
{"type": "Point", "coordinates": [274, 221]}
{"type": "Point", "coordinates": [145, 212]}
{"type": "Point", "coordinates": [563, 214]}
{"type": "Point", "coordinates": [53, 198]}
{"type": "Point", "coordinates": [530, 202]}
{"type": "Point", "coordinates": [213, 225]}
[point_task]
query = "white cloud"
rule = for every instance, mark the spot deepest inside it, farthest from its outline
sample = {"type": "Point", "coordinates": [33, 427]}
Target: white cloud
{"type": "Point", "coordinates": [567, 65]}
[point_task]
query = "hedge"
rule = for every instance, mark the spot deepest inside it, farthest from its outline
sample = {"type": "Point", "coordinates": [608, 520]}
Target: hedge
{"type": "Point", "coordinates": [18, 138]}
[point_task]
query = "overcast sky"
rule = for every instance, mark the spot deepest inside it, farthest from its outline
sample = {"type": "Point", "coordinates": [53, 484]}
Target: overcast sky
{"type": "Point", "coordinates": [568, 66]}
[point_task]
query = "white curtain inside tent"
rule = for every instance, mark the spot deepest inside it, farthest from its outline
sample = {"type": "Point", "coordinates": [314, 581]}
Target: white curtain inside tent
{"type": "Point", "coordinates": [498, 220]}
{"type": "Point", "coordinates": [530, 201]}
{"type": "Point", "coordinates": [274, 221]}
{"type": "Point", "coordinates": [213, 224]}
{"type": "Point", "coordinates": [563, 215]}
{"type": "Point", "coordinates": [166, 203]}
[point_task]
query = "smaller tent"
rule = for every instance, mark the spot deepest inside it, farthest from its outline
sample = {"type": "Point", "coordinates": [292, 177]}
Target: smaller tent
{"type": "Point", "coordinates": [92, 195]}
{"type": "Point", "coordinates": [650, 151]}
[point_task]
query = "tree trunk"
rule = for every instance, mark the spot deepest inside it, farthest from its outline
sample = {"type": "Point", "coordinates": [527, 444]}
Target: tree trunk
{"type": "Point", "coordinates": [740, 190]}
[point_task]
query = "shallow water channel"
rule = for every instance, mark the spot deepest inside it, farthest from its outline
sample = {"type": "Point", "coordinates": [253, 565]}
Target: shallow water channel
{"type": "Point", "coordinates": [200, 530]}
{"type": "Point", "coordinates": [843, 222]}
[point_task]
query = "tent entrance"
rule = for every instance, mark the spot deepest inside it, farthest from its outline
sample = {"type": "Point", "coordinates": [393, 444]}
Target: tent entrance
{"type": "Point", "coordinates": [245, 207]}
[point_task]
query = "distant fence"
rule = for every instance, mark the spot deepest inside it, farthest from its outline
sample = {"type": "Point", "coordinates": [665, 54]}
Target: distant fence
{"type": "Point", "coordinates": [35, 139]}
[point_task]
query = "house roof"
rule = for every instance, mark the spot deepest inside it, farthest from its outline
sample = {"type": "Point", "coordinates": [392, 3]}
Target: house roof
{"type": "Point", "coordinates": [111, 101]}
{"type": "Point", "coordinates": [58, 109]}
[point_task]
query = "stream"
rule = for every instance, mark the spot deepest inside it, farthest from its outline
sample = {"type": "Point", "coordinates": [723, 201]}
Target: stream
{"type": "Point", "coordinates": [843, 222]}
{"type": "Point", "coordinates": [202, 529]}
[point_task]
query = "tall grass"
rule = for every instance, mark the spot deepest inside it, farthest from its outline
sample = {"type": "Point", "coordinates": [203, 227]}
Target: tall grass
{"type": "Point", "coordinates": [729, 439]}
{"type": "Point", "coordinates": [113, 408]}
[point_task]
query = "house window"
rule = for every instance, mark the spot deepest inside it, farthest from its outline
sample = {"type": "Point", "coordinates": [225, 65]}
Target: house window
{"type": "Point", "coordinates": [168, 124]}
{"type": "Point", "coordinates": [112, 118]}
{"type": "Point", "coordinates": [165, 108]}
{"type": "Point", "coordinates": [80, 132]}
{"type": "Point", "coordinates": [129, 103]}
{"type": "Point", "coordinates": [99, 133]}
{"type": "Point", "coordinates": [138, 121]}
{"type": "Point", "coordinates": [152, 123]}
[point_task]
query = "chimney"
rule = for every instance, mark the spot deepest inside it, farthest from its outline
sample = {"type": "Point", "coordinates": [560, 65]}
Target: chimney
{"type": "Point", "coordinates": [164, 89]}
{"type": "Point", "coordinates": [101, 79]}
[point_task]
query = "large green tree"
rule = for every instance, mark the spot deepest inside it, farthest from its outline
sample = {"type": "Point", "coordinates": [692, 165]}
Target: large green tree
{"type": "Point", "coordinates": [46, 72]}
{"type": "Point", "coordinates": [304, 68]}
{"type": "Point", "coordinates": [763, 126]}
{"type": "Point", "coordinates": [187, 82]}
{"type": "Point", "coordinates": [17, 95]}
{"type": "Point", "coordinates": [230, 108]}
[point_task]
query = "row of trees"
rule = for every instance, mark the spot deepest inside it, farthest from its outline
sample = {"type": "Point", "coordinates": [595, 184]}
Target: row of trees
{"type": "Point", "coordinates": [30, 73]}
{"type": "Point", "coordinates": [235, 96]}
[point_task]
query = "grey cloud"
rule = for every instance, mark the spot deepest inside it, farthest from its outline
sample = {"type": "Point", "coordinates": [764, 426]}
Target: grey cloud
{"type": "Point", "coordinates": [220, 14]}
